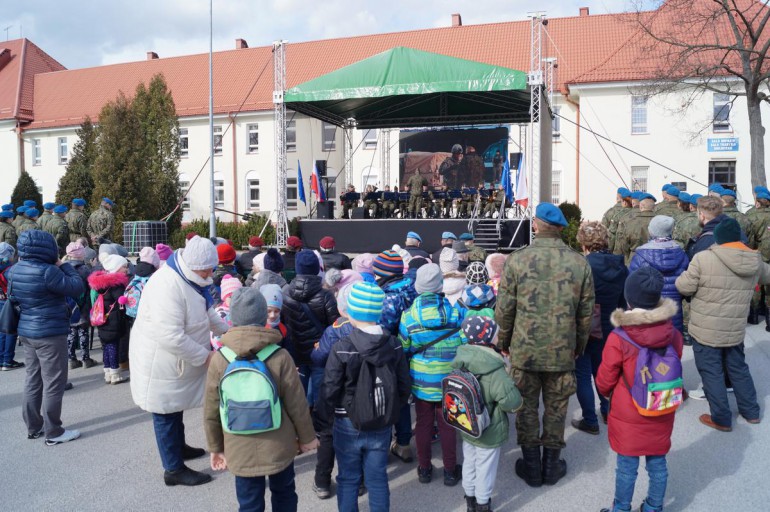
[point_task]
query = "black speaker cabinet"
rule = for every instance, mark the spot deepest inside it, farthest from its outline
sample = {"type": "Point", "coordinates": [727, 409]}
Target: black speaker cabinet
{"type": "Point", "coordinates": [358, 213]}
{"type": "Point", "coordinates": [325, 210]}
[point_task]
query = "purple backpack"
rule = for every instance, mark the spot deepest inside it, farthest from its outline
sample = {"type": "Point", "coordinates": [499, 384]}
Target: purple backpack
{"type": "Point", "coordinates": [657, 388]}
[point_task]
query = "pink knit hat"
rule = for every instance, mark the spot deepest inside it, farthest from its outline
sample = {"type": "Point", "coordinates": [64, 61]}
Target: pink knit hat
{"type": "Point", "coordinates": [164, 251]}
{"type": "Point", "coordinates": [76, 251]}
{"type": "Point", "coordinates": [229, 285]}
{"type": "Point", "coordinates": [149, 255]}
{"type": "Point", "coordinates": [349, 277]}
{"type": "Point", "coordinates": [363, 263]}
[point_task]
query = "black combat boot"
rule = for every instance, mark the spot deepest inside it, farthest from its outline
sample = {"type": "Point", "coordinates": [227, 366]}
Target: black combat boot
{"type": "Point", "coordinates": [554, 468]}
{"type": "Point", "coordinates": [471, 502]}
{"type": "Point", "coordinates": [486, 507]}
{"type": "Point", "coordinates": [528, 468]}
{"type": "Point", "coordinates": [753, 316]}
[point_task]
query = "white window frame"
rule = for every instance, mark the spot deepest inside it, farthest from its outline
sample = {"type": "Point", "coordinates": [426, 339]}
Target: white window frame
{"type": "Point", "coordinates": [64, 156]}
{"type": "Point", "coordinates": [219, 192]}
{"type": "Point", "coordinates": [370, 138]}
{"type": "Point", "coordinates": [37, 152]}
{"type": "Point", "coordinates": [218, 140]}
{"type": "Point", "coordinates": [556, 186]}
{"type": "Point", "coordinates": [252, 148]}
{"type": "Point", "coordinates": [291, 131]}
{"type": "Point", "coordinates": [639, 177]}
{"type": "Point", "coordinates": [722, 106]}
{"type": "Point", "coordinates": [252, 184]}
{"type": "Point", "coordinates": [556, 124]}
{"type": "Point", "coordinates": [184, 142]}
{"type": "Point", "coordinates": [292, 203]}
{"type": "Point", "coordinates": [184, 184]}
{"type": "Point", "coordinates": [639, 114]}
{"type": "Point", "coordinates": [328, 137]}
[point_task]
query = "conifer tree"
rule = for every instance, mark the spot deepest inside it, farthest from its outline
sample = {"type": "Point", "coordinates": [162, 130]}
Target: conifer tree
{"type": "Point", "coordinates": [78, 179]}
{"type": "Point", "coordinates": [26, 188]}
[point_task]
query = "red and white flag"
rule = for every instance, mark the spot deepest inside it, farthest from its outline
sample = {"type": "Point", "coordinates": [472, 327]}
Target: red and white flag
{"type": "Point", "coordinates": [522, 191]}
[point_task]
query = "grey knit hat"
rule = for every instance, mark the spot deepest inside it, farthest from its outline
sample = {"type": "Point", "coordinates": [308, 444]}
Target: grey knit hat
{"type": "Point", "coordinates": [248, 307]}
{"type": "Point", "coordinates": [429, 279]}
{"type": "Point", "coordinates": [661, 226]}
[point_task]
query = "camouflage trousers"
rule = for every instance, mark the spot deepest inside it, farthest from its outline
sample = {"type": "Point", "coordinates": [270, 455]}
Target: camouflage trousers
{"type": "Point", "coordinates": [415, 205]}
{"type": "Point", "coordinates": [555, 389]}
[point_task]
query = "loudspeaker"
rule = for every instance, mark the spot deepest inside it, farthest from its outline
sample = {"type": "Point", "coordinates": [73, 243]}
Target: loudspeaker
{"type": "Point", "coordinates": [325, 210]}
{"type": "Point", "coordinates": [358, 213]}
{"type": "Point", "coordinates": [321, 166]}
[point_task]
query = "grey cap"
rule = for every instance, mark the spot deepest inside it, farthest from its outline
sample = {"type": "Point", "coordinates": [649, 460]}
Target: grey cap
{"type": "Point", "coordinates": [661, 226]}
{"type": "Point", "coordinates": [108, 249]}
{"type": "Point", "coordinates": [429, 279]}
{"type": "Point", "coordinates": [248, 307]}
{"type": "Point", "coordinates": [121, 250]}
{"type": "Point", "coordinates": [90, 254]}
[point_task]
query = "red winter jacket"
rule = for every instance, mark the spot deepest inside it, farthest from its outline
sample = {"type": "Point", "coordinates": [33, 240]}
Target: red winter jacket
{"type": "Point", "coordinates": [630, 433]}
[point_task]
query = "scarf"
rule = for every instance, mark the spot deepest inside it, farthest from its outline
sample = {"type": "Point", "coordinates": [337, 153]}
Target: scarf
{"type": "Point", "coordinates": [200, 290]}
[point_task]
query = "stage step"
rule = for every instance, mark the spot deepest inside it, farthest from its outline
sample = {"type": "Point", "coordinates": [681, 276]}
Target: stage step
{"type": "Point", "coordinates": [486, 234]}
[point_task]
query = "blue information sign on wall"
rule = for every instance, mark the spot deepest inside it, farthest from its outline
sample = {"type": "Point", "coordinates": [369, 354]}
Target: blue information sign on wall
{"type": "Point", "coordinates": [725, 144]}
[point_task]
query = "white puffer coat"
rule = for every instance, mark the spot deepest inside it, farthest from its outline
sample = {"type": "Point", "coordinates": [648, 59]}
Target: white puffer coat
{"type": "Point", "coordinates": [170, 343]}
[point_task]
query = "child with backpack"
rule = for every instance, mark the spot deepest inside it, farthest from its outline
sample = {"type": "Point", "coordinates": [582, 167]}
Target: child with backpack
{"type": "Point", "coordinates": [107, 311]}
{"type": "Point", "coordinates": [477, 300]}
{"type": "Point", "coordinates": [274, 297]}
{"type": "Point", "coordinates": [149, 262]}
{"type": "Point", "coordinates": [79, 327]}
{"type": "Point", "coordinates": [228, 286]}
{"type": "Point", "coordinates": [642, 373]}
{"type": "Point", "coordinates": [366, 383]}
{"type": "Point", "coordinates": [480, 361]}
{"type": "Point", "coordinates": [255, 446]}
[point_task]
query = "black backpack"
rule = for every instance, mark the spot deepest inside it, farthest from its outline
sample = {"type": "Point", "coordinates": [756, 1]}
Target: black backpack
{"type": "Point", "coordinates": [374, 404]}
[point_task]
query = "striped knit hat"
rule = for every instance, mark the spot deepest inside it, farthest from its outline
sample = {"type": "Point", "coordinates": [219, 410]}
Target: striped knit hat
{"type": "Point", "coordinates": [365, 302]}
{"type": "Point", "coordinates": [388, 263]}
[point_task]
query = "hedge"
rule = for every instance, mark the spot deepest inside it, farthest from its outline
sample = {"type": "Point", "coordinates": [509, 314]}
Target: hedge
{"type": "Point", "coordinates": [237, 232]}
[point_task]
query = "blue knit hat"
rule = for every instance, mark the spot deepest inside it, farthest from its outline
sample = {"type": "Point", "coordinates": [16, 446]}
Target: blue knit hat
{"type": "Point", "coordinates": [273, 261]}
{"type": "Point", "coordinates": [306, 263]}
{"type": "Point", "coordinates": [32, 212]}
{"type": "Point", "coordinates": [60, 209]}
{"type": "Point", "coordinates": [79, 202]}
{"type": "Point", "coordinates": [550, 214]}
{"type": "Point", "coordinates": [643, 288]}
{"type": "Point", "coordinates": [48, 206]}
{"type": "Point", "coordinates": [388, 263]}
{"type": "Point", "coordinates": [365, 302]}
{"type": "Point", "coordinates": [29, 203]}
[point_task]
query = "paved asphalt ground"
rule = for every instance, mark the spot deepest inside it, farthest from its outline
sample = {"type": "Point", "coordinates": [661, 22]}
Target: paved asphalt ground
{"type": "Point", "coordinates": [115, 465]}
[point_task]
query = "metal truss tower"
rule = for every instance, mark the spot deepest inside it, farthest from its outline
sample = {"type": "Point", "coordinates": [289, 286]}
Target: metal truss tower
{"type": "Point", "coordinates": [536, 82]}
{"type": "Point", "coordinates": [347, 149]}
{"type": "Point", "coordinates": [279, 122]}
{"type": "Point", "coordinates": [384, 157]}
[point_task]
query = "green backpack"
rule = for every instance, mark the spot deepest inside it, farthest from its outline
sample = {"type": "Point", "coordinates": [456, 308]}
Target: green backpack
{"type": "Point", "coordinates": [248, 396]}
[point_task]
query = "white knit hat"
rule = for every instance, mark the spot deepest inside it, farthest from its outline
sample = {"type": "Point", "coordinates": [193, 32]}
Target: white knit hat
{"type": "Point", "coordinates": [149, 255]}
{"type": "Point", "coordinates": [200, 254]}
{"type": "Point", "coordinates": [112, 262]}
{"type": "Point", "coordinates": [258, 261]}
{"type": "Point", "coordinates": [449, 262]}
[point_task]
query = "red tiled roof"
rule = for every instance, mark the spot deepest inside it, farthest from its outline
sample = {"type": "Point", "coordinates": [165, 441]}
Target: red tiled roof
{"type": "Point", "coordinates": [17, 77]}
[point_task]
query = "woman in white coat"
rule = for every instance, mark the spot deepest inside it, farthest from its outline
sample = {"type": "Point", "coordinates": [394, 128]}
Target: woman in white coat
{"type": "Point", "coordinates": [170, 352]}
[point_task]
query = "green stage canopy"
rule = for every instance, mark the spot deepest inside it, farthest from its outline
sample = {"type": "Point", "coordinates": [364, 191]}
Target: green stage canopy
{"type": "Point", "coordinates": [404, 87]}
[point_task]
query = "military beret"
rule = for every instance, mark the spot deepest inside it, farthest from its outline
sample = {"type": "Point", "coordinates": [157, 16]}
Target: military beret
{"type": "Point", "coordinates": [694, 198]}
{"type": "Point", "coordinates": [108, 201]}
{"type": "Point", "coordinates": [759, 188]}
{"type": "Point", "coordinates": [637, 195]}
{"type": "Point", "coordinates": [550, 213]}
{"type": "Point", "coordinates": [448, 235]}
{"type": "Point", "coordinates": [60, 209]}
{"type": "Point", "coordinates": [715, 187]}
{"type": "Point", "coordinates": [5, 214]}
{"type": "Point", "coordinates": [79, 202]}
{"type": "Point", "coordinates": [29, 203]}
{"type": "Point", "coordinates": [22, 209]}
{"type": "Point", "coordinates": [414, 235]}
{"type": "Point", "coordinates": [727, 192]}
{"type": "Point", "coordinates": [763, 195]}
{"type": "Point", "coordinates": [624, 192]}
{"type": "Point", "coordinates": [32, 212]}
{"type": "Point", "coordinates": [7, 207]}
{"type": "Point", "coordinates": [647, 195]}
{"type": "Point", "coordinates": [466, 236]}
{"type": "Point", "coordinates": [684, 197]}
{"type": "Point", "coordinates": [48, 206]}
{"type": "Point", "coordinates": [673, 191]}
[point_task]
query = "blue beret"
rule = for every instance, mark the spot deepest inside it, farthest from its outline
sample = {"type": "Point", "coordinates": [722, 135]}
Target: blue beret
{"type": "Point", "coordinates": [694, 198]}
{"type": "Point", "coordinates": [60, 209]}
{"type": "Point", "coordinates": [673, 191]}
{"type": "Point", "coordinates": [647, 195]}
{"type": "Point", "coordinates": [29, 203]}
{"type": "Point", "coordinates": [759, 188]}
{"type": "Point", "coordinates": [715, 187]}
{"type": "Point", "coordinates": [466, 236]}
{"type": "Point", "coordinates": [79, 202]}
{"type": "Point", "coordinates": [449, 235]}
{"type": "Point", "coordinates": [108, 201]}
{"type": "Point", "coordinates": [21, 209]}
{"type": "Point", "coordinates": [684, 197]}
{"type": "Point", "coordinates": [32, 212]}
{"type": "Point", "coordinates": [49, 206]}
{"type": "Point", "coordinates": [550, 213]}
{"type": "Point", "coordinates": [665, 187]}
{"type": "Point", "coordinates": [636, 195]}
{"type": "Point", "coordinates": [7, 207]}
{"type": "Point", "coordinates": [5, 214]}
{"type": "Point", "coordinates": [727, 192]}
{"type": "Point", "coordinates": [763, 194]}
{"type": "Point", "coordinates": [624, 192]}
{"type": "Point", "coordinates": [414, 235]}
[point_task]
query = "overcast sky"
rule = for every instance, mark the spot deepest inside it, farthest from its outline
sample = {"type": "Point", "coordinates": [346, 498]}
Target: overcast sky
{"type": "Point", "coordinates": [84, 33]}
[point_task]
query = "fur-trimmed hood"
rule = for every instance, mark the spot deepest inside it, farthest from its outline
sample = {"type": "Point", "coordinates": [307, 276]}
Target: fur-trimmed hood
{"type": "Point", "coordinates": [101, 280]}
{"type": "Point", "coordinates": [648, 327]}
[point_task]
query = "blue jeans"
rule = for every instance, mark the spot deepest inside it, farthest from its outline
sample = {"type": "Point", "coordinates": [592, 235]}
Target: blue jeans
{"type": "Point", "coordinates": [304, 378]}
{"type": "Point", "coordinates": [169, 434]}
{"type": "Point", "coordinates": [712, 363]}
{"type": "Point", "coordinates": [625, 479]}
{"type": "Point", "coordinates": [361, 454]}
{"type": "Point", "coordinates": [251, 491]}
{"type": "Point", "coordinates": [316, 379]}
{"type": "Point", "coordinates": [7, 347]}
{"type": "Point", "coordinates": [404, 425]}
{"type": "Point", "coordinates": [586, 367]}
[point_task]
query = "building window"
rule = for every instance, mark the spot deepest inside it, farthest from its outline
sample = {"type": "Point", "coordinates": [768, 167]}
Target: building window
{"type": "Point", "coordinates": [639, 178]}
{"type": "Point", "coordinates": [63, 153]}
{"type": "Point", "coordinates": [183, 186]}
{"type": "Point", "coordinates": [184, 142]}
{"type": "Point", "coordinates": [681, 185]}
{"type": "Point", "coordinates": [253, 138]}
{"type": "Point", "coordinates": [370, 139]}
{"type": "Point", "coordinates": [722, 106]}
{"type": "Point", "coordinates": [217, 140]}
{"type": "Point", "coordinates": [556, 187]}
{"type": "Point", "coordinates": [556, 123]}
{"type": "Point", "coordinates": [638, 114]}
{"type": "Point", "coordinates": [291, 136]}
{"type": "Point", "coordinates": [722, 171]}
{"type": "Point", "coordinates": [252, 185]}
{"type": "Point", "coordinates": [219, 193]}
{"type": "Point", "coordinates": [37, 155]}
{"type": "Point", "coordinates": [291, 193]}
{"type": "Point", "coordinates": [328, 140]}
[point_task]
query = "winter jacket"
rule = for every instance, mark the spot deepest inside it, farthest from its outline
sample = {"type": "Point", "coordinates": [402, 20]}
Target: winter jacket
{"type": "Point", "coordinates": [244, 263]}
{"type": "Point", "coordinates": [334, 259]}
{"type": "Point", "coordinates": [610, 273]}
{"type": "Point", "coordinates": [430, 316]}
{"type": "Point", "coordinates": [399, 295]}
{"type": "Point", "coordinates": [40, 287]}
{"type": "Point", "coordinates": [706, 237]}
{"type": "Point", "coordinates": [270, 452]}
{"type": "Point", "coordinates": [170, 341]}
{"type": "Point", "coordinates": [111, 286]}
{"type": "Point", "coordinates": [415, 251]}
{"type": "Point", "coordinates": [340, 329]}
{"type": "Point", "coordinates": [83, 301]}
{"type": "Point", "coordinates": [454, 284]}
{"type": "Point", "coordinates": [285, 342]}
{"type": "Point", "coordinates": [721, 281]}
{"type": "Point", "coordinates": [220, 272]}
{"type": "Point", "coordinates": [268, 277]}
{"type": "Point", "coordinates": [224, 313]}
{"type": "Point", "coordinates": [499, 391]}
{"type": "Point", "coordinates": [669, 259]}
{"type": "Point", "coordinates": [27, 224]}
{"type": "Point", "coordinates": [305, 331]}
{"type": "Point", "coordinates": [630, 433]}
{"type": "Point", "coordinates": [7, 233]}
{"type": "Point", "coordinates": [344, 364]}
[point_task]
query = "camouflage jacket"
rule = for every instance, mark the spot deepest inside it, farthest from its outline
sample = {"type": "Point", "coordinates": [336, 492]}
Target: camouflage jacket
{"type": "Point", "coordinates": [544, 306]}
{"type": "Point", "coordinates": [634, 234]}
{"type": "Point", "coordinates": [25, 225]}
{"type": "Point", "coordinates": [77, 223]}
{"type": "Point", "coordinates": [477, 253]}
{"type": "Point", "coordinates": [100, 224]}
{"type": "Point", "coordinates": [745, 223]}
{"type": "Point", "coordinates": [415, 184]}
{"type": "Point", "coordinates": [615, 224]}
{"type": "Point", "coordinates": [7, 233]}
{"type": "Point", "coordinates": [58, 228]}
{"type": "Point", "coordinates": [759, 222]}
{"type": "Point", "coordinates": [610, 214]}
{"type": "Point", "coordinates": [43, 220]}
{"type": "Point", "coordinates": [16, 222]}
{"type": "Point", "coordinates": [669, 208]}
{"type": "Point", "coordinates": [686, 227]}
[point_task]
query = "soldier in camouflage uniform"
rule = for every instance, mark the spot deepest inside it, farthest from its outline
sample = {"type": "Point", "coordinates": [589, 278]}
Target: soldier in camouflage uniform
{"type": "Point", "coordinates": [760, 221]}
{"type": "Point", "coordinates": [77, 221]}
{"type": "Point", "coordinates": [19, 217]}
{"type": "Point", "coordinates": [28, 221]}
{"type": "Point", "coordinates": [416, 183]}
{"type": "Point", "coordinates": [7, 231]}
{"type": "Point", "coordinates": [616, 213]}
{"type": "Point", "coordinates": [57, 226]}
{"type": "Point", "coordinates": [687, 225]}
{"type": "Point", "coordinates": [622, 193]}
{"type": "Point", "coordinates": [728, 199]}
{"type": "Point", "coordinates": [544, 308]}
{"type": "Point", "coordinates": [633, 230]}
{"type": "Point", "coordinates": [46, 215]}
{"type": "Point", "coordinates": [496, 203]}
{"type": "Point", "coordinates": [372, 207]}
{"type": "Point", "coordinates": [347, 206]}
{"type": "Point", "coordinates": [450, 168]}
{"type": "Point", "coordinates": [100, 223]}
{"type": "Point", "coordinates": [475, 253]}
{"type": "Point", "coordinates": [669, 205]}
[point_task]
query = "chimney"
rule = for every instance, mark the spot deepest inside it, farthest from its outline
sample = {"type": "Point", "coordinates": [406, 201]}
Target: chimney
{"type": "Point", "coordinates": [584, 11]}
{"type": "Point", "coordinates": [457, 20]}
{"type": "Point", "coordinates": [152, 56]}
{"type": "Point", "coordinates": [241, 44]}
{"type": "Point", "coordinates": [5, 57]}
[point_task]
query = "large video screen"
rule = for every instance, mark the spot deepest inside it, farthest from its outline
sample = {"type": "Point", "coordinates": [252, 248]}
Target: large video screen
{"type": "Point", "coordinates": [453, 158]}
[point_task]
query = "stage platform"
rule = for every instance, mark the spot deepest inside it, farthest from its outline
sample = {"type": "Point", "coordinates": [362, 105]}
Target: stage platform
{"type": "Point", "coordinates": [376, 235]}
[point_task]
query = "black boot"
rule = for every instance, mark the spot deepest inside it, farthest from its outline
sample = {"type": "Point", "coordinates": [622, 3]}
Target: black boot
{"type": "Point", "coordinates": [554, 468]}
{"type": "Point", "coordinates": [767, 322]}
{"type": "Point", "coordinates": [528, 468]}
{"type": "Point", "coordinates": [185, 476]}
{"type": "Point", "coordinates": [486, 507]}
{"type": "Point", "coordinates": [189, 453]}
{"type": "Point", "coordinates": [753, 316]}
{"type": "Point", "coordinates": [471, 502]}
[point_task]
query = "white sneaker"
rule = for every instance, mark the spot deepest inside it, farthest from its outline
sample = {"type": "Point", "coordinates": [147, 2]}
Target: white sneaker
{"type": "Point", "coordinates": [107, 376]}
{"type": "Point", "coordinates": [697, 394]}
{"type": "Point", "coordinates": [116, 377]}
{"type": "Point", "coordinates": [730, 390]}
{"type": "Point", "coordinates": [67, 436]}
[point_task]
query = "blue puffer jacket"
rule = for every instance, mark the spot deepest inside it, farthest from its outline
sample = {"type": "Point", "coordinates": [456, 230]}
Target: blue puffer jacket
{"type": "Point", "coordinates": [399, 295]}
{"type": "Point", "coordinates": [670, 260]}
{"type": "Point", "coordinates": [610, 273]}
{"type": "Point", "coordinates": [40, 287]}
{"type": "Point", "coordinates": [340, 329]}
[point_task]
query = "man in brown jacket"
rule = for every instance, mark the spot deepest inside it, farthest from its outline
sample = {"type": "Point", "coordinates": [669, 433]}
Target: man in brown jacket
{"type": "Point", "coordinates": [253, 457]}
{"type": "Point", "coordinates": [721, 282]}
